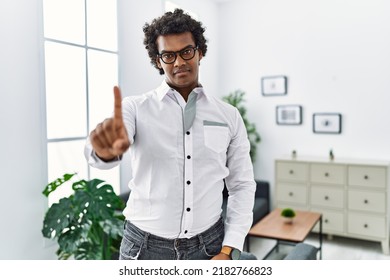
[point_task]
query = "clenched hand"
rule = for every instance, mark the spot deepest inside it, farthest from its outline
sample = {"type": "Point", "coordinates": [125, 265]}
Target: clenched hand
{"type": "Point", "coordinates": [109, 139]}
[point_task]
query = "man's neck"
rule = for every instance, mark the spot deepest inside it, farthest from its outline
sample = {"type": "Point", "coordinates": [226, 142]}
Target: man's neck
{"type": "Point", "coordinates": [185, 91]}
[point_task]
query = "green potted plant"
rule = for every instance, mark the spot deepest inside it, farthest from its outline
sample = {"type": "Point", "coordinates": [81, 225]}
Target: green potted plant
{"type": "Point", "coordinates": [86, 225]}
{"type": "Point", "coordinates": [236, 98]}
{"type": "Point", "coordinates": [288, 214]}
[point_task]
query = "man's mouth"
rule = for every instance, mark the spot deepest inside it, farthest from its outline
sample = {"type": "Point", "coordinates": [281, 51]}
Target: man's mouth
{"type": "Point", "coordinates": [181, 70]}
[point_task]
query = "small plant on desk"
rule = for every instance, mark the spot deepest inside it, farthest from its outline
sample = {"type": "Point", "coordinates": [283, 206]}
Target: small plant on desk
{"type": "Point", "coordinates": [288, 215]}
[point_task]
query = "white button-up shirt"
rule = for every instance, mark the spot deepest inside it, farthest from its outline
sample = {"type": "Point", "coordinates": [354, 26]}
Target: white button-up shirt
{"type": "Point", "coordinates": [178, 175]}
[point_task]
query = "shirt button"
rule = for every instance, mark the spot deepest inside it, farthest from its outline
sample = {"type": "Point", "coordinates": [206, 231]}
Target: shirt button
{"type": "Point", "coordinates": [188, 209]}
{"type": "Point", "coordinates": [185, 232]}
{"type": "Point", "coordinates": [188, 182]}
{"type": "Point", "coordinates": [188, 157]}
{"type": "Point", "coordinates": [188, 133]}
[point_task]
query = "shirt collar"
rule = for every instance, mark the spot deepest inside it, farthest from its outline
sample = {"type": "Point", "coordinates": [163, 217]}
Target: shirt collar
{"type": "Point", "coordinates": [165, 89]}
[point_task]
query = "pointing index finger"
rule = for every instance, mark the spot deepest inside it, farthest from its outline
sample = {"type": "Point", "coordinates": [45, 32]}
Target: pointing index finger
{"type": "Point", "coordinates": [117, 105]}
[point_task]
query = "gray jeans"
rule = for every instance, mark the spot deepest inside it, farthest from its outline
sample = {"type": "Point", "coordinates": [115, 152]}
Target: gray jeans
{"type": "Point", "coordinates": [140, 245]}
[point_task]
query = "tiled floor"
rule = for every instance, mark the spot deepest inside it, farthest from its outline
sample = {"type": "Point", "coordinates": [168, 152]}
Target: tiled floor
{"type": "Point", "coordinates": [337, 248]}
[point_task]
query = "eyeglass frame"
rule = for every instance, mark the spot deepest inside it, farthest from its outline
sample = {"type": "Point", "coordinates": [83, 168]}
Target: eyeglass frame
{"type": "Point", "coordinates": [178, 52]}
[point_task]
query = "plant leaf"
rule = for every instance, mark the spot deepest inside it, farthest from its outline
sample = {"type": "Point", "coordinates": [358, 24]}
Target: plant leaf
{"type": "Point", "coordinates": [97, 201]}
{"type": "Point", "coordinates": [70, 240]}
{"type": "Point", "coordinates": [52, 186]}
{"type": "Point", "coordinates": [89, 251]}
{"type": "Point", "coordinates": [58, 218]}
{"type": "Point", "coordinates": [113, 228]}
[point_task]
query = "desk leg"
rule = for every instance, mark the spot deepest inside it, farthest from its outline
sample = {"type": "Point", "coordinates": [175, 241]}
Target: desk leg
{"type": "Point", "coordinates": [247, 238]}
{"type": "Point", "coordinates": [320, 236]}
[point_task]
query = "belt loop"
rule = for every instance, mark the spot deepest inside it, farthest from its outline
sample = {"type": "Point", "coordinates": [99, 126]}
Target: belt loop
{"type": "Point", "coordinates": [146, 238]}
{"type": "Point", "coordinates": [200, 241]}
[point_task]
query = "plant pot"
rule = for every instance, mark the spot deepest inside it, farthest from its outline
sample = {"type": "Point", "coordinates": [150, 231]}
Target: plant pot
{"type": "Point", "coordinates": [288, 220]}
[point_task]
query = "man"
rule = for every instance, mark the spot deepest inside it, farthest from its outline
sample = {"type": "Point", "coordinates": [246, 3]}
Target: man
{"type": "Point", "coordinates": [183, 144]}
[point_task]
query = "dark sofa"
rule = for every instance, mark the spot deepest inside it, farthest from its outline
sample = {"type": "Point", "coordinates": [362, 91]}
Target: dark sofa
{"type": "Point", "coordinates": [302, 251]}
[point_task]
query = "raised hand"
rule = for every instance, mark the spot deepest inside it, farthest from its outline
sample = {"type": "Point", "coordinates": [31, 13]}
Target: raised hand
{"type": "Point", "coordinates": [109, 139]}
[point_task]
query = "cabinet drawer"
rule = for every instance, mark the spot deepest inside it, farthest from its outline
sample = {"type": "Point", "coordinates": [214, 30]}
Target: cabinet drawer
{"type": "Point", "coordinates": [327, 174]}
{"type": "Point", "coordinates": [366, 176]}
{"type": "Point", "coordinates": [329, 197]}
{"type": "Point", "coordinates": [367, 201]}
{"type": "Point", "coordinates": [332, 221]}
{"type": "Point", "coordinates": [290, 171]}
{"type": "Point", "coordinates": [366, 225]}
{"type": "Point", "coordinates": [292, 193]}
{"type": "Point", "coordinates": [301, 207]}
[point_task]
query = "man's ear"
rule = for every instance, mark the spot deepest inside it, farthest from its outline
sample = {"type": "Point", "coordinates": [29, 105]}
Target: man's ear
{"type": "Point", "coordinates": [158, 63]}
{"type": "Point", "coordinates": [200, 54]}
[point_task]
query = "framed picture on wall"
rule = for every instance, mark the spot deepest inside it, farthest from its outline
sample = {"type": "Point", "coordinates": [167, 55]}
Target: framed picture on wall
{"type": "Point", "coordinates": [289, 115]}
{"type": "Point", "coordinates": [274, 85]}
{"type": "Point", "coordinates": [329, 123]}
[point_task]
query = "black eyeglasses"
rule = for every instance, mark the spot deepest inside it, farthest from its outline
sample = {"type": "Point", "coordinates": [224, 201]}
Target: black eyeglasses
{"type": "Point", "coordinates": [170, 57]}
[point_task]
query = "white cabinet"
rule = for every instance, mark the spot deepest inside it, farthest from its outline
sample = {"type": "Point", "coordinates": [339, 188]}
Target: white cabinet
{"type": "Point", "coordinates": [352, 195]}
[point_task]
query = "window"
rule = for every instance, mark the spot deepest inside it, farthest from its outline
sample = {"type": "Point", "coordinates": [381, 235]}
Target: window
{"type": "Point", "coordinates": [81, 68]}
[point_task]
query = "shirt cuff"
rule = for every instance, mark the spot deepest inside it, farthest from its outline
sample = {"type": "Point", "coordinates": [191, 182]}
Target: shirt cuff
{"type": "Point", "coordinates": [95, 161]}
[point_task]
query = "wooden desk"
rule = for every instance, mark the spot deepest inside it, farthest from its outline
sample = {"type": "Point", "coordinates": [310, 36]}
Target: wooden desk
{"type": "Point", "coordinates": [273, 226]}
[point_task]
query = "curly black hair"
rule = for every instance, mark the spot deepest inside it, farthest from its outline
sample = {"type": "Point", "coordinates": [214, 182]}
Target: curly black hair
{"type": "Point", "coordinates": [172, 23]}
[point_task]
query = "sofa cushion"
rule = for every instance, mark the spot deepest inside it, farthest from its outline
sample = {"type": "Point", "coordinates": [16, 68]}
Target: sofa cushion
{"type": "Point", "coordinates": [302, 251]}
{"type": "Point", "coordinates": [247, 256]}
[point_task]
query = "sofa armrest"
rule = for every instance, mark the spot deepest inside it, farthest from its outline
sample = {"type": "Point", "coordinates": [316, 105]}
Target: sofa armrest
{"type": "Point", "coordinates": [302, 251]}
{"type": "Point", "coordinates": [263, 191]}
{"type": "Point", "coordinates": [125, 196]}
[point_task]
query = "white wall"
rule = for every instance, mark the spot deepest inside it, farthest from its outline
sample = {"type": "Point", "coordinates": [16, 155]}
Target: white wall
{"type": "Point", "coordinates": [336, 56]}
{"type": "Point", "coordinates": [22, 146]}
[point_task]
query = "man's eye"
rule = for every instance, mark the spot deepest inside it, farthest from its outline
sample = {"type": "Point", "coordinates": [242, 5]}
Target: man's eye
{"type": "Point", "coordinates": [168, 55]}
{"type": "Point", "coordinates": [186, 51]}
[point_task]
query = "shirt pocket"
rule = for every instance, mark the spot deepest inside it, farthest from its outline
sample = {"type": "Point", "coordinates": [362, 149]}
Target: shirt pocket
{"type": "Point", "coordinates": [215, 135]}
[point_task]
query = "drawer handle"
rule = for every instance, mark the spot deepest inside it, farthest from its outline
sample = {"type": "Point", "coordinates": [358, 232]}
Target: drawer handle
{"type": "Point", "coordinates": [290, 193]}
{"type": "Point", "coordinates": [366, 201]}
{"type": "Point", "coordinates": [291, 172]}
{"type": "Point", "coordinates": [326, 197]}
{"type": "Point", "coordinates": [365, 226]}
{"type": "Point", "coordinates": [365, 177]}
{"type": "Point", "coordinates": [326, 174]}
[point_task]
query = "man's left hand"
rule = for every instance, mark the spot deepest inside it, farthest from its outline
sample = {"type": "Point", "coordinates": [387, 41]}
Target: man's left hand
{"type": "Point", "coordinates": [221, 256]}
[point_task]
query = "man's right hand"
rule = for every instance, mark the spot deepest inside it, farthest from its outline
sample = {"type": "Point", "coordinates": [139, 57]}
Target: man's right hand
{"type": "Point", "coordinates": [109, 139]}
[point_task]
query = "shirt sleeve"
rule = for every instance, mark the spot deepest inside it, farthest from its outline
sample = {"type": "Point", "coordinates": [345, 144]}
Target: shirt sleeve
{"type": "Point", "coordinates": [94, 161]}
{"type": "Point", "coordinates": [241, 186]}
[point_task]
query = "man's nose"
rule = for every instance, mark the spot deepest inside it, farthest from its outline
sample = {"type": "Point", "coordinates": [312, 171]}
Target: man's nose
{"type": "Point", "coordinates": [179, 61]}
